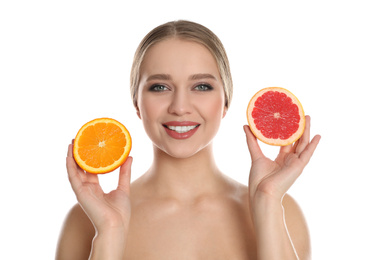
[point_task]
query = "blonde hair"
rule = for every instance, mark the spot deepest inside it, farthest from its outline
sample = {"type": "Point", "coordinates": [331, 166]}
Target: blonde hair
{"type": "Point", "coordinates": [189, 31]}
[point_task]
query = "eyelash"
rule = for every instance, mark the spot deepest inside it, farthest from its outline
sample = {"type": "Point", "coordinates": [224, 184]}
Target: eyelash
{"type": "Point", "coordinates": [155, 87]}
{"type": "Point", "coordinates": [209, 87]}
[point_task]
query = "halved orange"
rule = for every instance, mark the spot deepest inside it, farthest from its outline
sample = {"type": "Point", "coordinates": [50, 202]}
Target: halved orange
{"type": "Point", "coordinates": [101, 145]}
{"type": "Point", "coordinates": [276, 116]}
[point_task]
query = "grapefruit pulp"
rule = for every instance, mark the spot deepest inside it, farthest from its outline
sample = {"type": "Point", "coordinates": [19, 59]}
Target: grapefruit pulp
{"type": "Point", "coordinates": [276, 116]}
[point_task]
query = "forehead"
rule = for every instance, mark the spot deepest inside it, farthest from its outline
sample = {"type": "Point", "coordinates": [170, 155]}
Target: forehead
{"type": "Point", "coordinates": [175, 56]}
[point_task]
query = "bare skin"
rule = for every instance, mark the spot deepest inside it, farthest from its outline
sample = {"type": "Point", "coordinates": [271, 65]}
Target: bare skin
{"type": "Point", "coordinates": [183, 207]}
{"type": "Point", "coordinates": [164, 227]}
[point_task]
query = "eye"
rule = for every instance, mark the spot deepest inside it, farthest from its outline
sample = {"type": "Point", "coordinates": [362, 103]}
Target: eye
{"type": "Point", "coordinates": [158, 88]}
{"type": "Point", "coordinates": [203, 87]}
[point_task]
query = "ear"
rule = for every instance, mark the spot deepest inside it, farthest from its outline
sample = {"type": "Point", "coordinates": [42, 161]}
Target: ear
{"type": "Point", "coordinates": [225, 111]}
{"type": "Point", "coordinates": [137, 109]}
{"type": "Point", "coordinates": [138, 112]}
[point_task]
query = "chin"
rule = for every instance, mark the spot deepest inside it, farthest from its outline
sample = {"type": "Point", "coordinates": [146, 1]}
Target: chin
{"type": "Point", "coordinates": [181, 152]}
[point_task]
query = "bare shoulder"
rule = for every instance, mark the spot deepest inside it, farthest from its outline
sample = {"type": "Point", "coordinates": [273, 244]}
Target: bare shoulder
{"type": "Point", "coordinates": [297, 227]}
{"type": "Point", "coordinates": [239, 190]}
{"type": "Point", "coordinates": [76, 236]}
{"type": "Point", "coordinates": [294, 218]}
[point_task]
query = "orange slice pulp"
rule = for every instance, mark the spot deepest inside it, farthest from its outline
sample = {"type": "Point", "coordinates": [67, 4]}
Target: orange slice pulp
{"type": "Point", "coordinates": [101, 145]}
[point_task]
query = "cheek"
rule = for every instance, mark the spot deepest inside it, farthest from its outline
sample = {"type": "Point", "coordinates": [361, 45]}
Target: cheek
{"type": "Point", "coordinates": [150, 109]}
{"type": "Point", "coordinates": [215, 108]}
{"type": "Point", "coordinates": [145, 111]}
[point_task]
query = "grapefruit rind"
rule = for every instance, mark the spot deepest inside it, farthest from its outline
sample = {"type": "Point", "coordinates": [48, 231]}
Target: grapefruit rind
{"type": "Point", "coordinates": [111, 167]}
{"type": "Point", "coordinates": [270, 141]}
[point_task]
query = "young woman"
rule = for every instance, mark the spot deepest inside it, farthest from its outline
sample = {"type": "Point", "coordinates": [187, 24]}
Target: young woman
{"type": "Point", "coordinates": [184, 207]}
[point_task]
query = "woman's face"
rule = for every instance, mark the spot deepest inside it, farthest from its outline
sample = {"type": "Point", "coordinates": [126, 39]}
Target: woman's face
{"type": "Point", "coordinates": [180, 97]}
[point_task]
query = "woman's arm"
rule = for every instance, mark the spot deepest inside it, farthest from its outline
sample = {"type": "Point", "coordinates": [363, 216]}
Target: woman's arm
{"type": "Point", "coordinates": [109, 244]}
{"type": "Point", "coordinates": [75, 239]}
{"type": "Point", "coordinates": [268, 183]}
{"type": "Point", "coordinates": [78, 239]}
{"type": "Point", "coordinates": [108, 214]}
{"type": "Point", "coordinates": [297, 227]}
{"type": "Point", "coordinates": [281, 231]}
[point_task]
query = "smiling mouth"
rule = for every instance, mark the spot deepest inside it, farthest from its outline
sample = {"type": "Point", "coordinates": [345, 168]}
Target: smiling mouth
{"type": "Point", "coordinates": [181, 129]}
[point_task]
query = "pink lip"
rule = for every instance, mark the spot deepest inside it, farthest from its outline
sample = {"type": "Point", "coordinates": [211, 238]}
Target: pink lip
{"type": "Point", "coordinates": [180, 136]}
{"type": "Point", "coordinates": [181, 123]}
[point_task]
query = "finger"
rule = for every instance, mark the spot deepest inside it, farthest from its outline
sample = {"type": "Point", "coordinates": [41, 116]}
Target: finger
{"type": "Point", "coordinates": [286, 148]}
{"type": "Point", "coordinates": [252, 144]}
{"type": "Point", "coordinates": [294, 147]}
{"type": "Point", "coordinates": [80, 171]}
{"type": "Point", "coordinates": [125, 176]}
{"type": "Point", "coordinates": [73, 169]}
{"type": "Point", "coordinates": [91, 177]}
{"type": "Point", "coordinates": [73, 174]}
{"type": "Point", "coordinates": [69, 151]}
{"type": "Point", "coordinates": [305, 138]}
{"type": "Point", "coordinates": [309, 149]}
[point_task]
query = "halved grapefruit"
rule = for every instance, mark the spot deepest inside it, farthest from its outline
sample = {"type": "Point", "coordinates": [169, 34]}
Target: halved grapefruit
{"type": "Point", "coordinates": [276, 116]}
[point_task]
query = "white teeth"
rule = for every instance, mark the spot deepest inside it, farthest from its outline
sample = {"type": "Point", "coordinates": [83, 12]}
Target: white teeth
{"type": "Point", "coordinates": [182, 129]}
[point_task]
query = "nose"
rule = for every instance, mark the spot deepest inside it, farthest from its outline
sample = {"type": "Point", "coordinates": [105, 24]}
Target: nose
{"type": "Point", "coordinates": [180, 104]}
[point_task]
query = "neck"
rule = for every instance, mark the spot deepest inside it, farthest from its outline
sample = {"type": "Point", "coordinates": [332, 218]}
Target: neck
{"type": "Point", "coordinates": [184, 178]}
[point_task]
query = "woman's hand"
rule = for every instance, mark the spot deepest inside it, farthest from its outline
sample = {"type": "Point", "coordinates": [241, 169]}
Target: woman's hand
{"type": "Point", "coordinates": [107, 211]}
{"type": "Point", "coordinates": [272, 179]}
{"type": "Point", "coordinates": [268, 183]}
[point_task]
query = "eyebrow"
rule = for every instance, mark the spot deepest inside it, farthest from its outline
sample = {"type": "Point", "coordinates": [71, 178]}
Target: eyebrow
{"type": "Point", "coordinates": [192, 77]}
{"type": "Point", "coordinates": [202, 76]}
{"type": "Point", "coordinates": [159, 77]}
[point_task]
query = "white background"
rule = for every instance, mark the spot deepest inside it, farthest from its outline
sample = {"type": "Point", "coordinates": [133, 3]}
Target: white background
{"type": "Point", "coordinates": [63, 63]}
